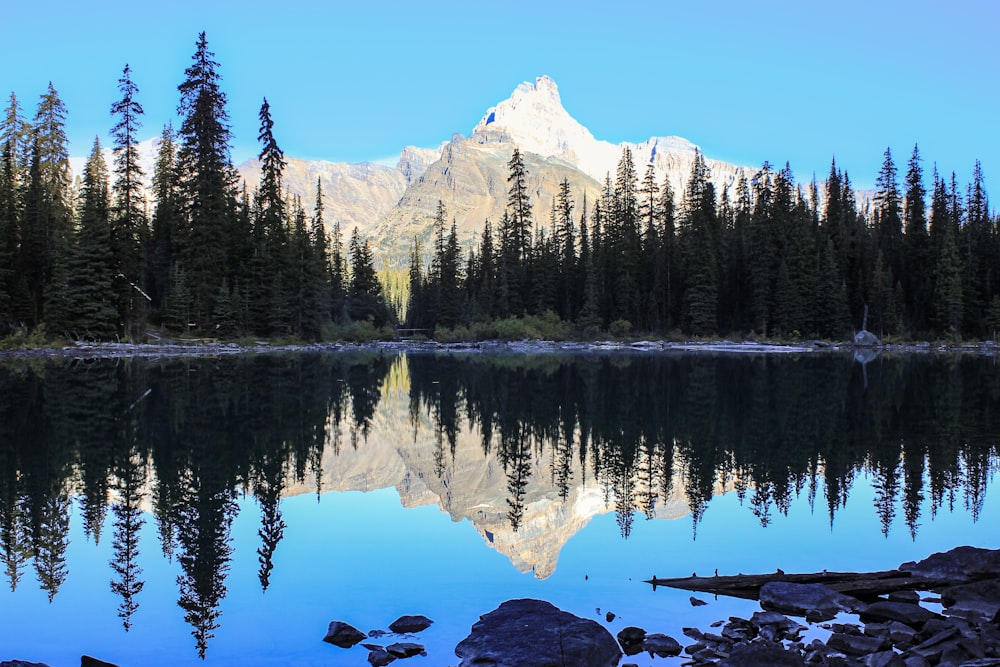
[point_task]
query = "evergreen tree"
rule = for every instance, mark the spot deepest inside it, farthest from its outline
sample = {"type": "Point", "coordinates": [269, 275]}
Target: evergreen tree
{"type": "Point", "coordinates": [698, 246]}
{"type": "Point", "coordinates": [160, 252]}
{"type": "Point", "coordinates": [916, 278]}
{"type": "Point", "coordinates": [364, 298]}
{"type": "Point", "coordinates": [889, 225]}
{"type": "Point", "coordinates": [81, 295]}
{"type": "Point", "coordinates": [128, 216]}
{"type": "Point", "coordinates": [14, 133]}
{"type": "Point", "coordinates": [47, 218]}
{"type": "Point", "coordinates": [206, 179]}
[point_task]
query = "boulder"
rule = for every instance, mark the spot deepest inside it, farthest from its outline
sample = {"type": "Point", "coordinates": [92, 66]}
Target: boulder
{"type": "Point", "coordinates": [959, 565]}
{"type": "Point", "coordinates": [410, 624]}
{"type": "Point", "coordinates": [405, 649]}
{"type": "Point", "coordinates": [857, 645]}
{"type": "Point", "coordinates": [904, 612]}
{"type": "Point", "coordinates": [379, 657]}
{"type": "Point", "coordinates": [534, 633]}
{"type": "Point", "coordinates": [343, 635]}
{"type": "Point", "coordinates": [660, 645]}
{"type": "Point", "coordinates": [816, 601]}
{"type": "Point", "coordinates": [981, 599]}
{"type": "Point", "coordinates": [630, 639]}
{"type": "Point", "coordinates": [762, 654]}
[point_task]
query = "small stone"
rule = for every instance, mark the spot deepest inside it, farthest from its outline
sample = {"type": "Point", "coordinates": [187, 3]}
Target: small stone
{"type": "Point", "coordinates": [660, 645]}
{"type": "Point", "coordinates": [87, 661]}
{"type": "Point", "coordinates": [904, 596]}
{"type": "Point", "coordinates": [911, 614]}
{"type": "Point", "coordinates": [343, 635]}
{"type": "Point", "coordinates": [856, 644]}
{"type": "Point", "coordinates": [630, 639]}
{"type": "Point", "coordinates": [405, 649]}
{"type": "Point", "coordinates": [695, 602]}
{"type": "Point", "coordinates": [884, 659]}
{"type": "Point", "coordinates": [610, 616]}
{"type": "Point", "coordinates": [410, 624]}
{"type": "Point", "coordinates": [380, 657]}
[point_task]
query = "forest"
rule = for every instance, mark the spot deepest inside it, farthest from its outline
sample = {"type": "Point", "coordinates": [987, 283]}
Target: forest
{"type": "Point", "coordinates": [199, 254]}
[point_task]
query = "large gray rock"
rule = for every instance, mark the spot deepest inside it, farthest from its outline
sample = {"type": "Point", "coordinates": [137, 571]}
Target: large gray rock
{"type": "Point", "coordinates": [343, 635]}
{"type": "Point", "coordinates": [903, 612]}
{"type": "Point", "coordinates": [534, 633]}
{"type": "Point", "coordinates": [980, 600]}
{"type": "Point", "coordinates": [960, 565]}
{"type": "Point", "coordinates": [816, 601]}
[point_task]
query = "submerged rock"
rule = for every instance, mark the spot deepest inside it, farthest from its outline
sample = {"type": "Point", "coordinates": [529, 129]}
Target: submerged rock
{"type": "Point", "coordinates": [343, 635]}
{"type": "Point", "coordinates": [405, 649]}
{"type": "Point", "coordinates": [410, 624]}
{"type": "Point", "coordinates": [534, 633]}
{"type": "Point", "coordinates": [815, 601]}
{"type": "Point", "coordinates": [630, 639]}
{"type": "Point", "coordinates": [379, 657]}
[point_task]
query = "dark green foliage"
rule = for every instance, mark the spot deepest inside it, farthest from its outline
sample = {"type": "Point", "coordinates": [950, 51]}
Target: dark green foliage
{"type": "Point", "coordinates": [81, 298]}
{"type": "Point", "coordinates": [206, 182]}
{"type": "Point", "coordinates": [129, 227]}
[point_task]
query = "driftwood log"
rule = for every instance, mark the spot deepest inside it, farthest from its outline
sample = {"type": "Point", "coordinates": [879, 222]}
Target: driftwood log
{"type": "Point", "coordinates": [862, 585]}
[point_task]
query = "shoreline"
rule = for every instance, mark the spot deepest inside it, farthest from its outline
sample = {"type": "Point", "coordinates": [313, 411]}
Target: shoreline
{"type": "Point", "coordinates": [181, 349]}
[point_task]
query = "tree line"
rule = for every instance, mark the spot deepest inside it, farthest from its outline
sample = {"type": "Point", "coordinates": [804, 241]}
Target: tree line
{"type": "Point", "coordinates": [769, 258]}
{"type": "Point", "coordinates": [90, 260]}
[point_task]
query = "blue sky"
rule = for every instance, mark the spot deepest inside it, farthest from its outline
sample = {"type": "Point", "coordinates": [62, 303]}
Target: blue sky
{"type": "Point", "coordinates": [780, 81]}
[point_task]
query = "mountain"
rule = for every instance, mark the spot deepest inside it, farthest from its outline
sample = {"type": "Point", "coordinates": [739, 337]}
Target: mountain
{"type": "Point", "coordinates": [393, 205]}
{"type": "Point", "coordinates": [471, 174]}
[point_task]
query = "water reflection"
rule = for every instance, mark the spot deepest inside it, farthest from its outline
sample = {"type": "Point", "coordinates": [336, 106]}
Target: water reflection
{"type": "Point", "coordinates": [528, 448]}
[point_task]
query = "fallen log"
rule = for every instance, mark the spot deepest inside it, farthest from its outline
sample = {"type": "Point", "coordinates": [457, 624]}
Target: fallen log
{"type": "Point", "coordinates": [862, 585]}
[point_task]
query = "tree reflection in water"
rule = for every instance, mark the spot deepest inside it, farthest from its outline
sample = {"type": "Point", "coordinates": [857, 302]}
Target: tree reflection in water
{"type": "Point", "coordinates": [188, 437]}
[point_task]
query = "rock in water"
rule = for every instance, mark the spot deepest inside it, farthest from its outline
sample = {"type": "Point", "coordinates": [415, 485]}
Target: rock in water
{"type": "Point", "coordinates": [630, 639]}
{"type": "Point", "coordinates": [406, 624]}
{"type": "Point", "coordinates": [343, 635]}
{"type": "Point", "coordinates": [87, 661]}
{"type": "Point", "coordinates": [816, 601]}
{"type": "Point", "coordinates": [759, 654]}
{"type": "Point", "coordinates": [534, 633]}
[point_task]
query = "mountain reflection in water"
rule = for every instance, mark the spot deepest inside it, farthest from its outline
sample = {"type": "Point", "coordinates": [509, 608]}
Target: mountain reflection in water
{"type": "Point", "coordinates": [528, 448]}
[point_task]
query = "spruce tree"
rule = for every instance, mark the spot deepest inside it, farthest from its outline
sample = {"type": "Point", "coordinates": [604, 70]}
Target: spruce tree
{"type": "Point", "coordinates": [81, 296]}
{"type": "Point", "coordinates": [161, 249]}
{"type": "Point", "coordinates": [889, 226]}
{"type": "Point", "coordinates": [206, 180]}
{"type": "Point", "coordinates": [47, 218]}
{"type": "Point", "coordinates": [128, 217]}
{"type": "Point", "coordinates": [699, 244]}
{"type": "Point", "coordinates": [916, 279]}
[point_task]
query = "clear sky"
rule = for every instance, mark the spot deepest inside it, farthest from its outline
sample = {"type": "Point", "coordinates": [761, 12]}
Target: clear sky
{"type": "Point", "coordinates": [782, 80]}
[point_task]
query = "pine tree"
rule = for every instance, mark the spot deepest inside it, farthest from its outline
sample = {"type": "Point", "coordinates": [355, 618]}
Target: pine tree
{"type": "Point", "coordinates": [81, 296]}
{"type": "Point", "coordinates": [364, 299]}
{"type": "Point", "coordinates": [128, 216]}
{"type": "Point", "coordinates": [14, 132]}
{"type": "Point", "coordinates": [698, 246]}
{"type": "Point", "coordinates": [206, 180]}
{"type": "Point", "coordinates": [161, 248]}
{"type": "Point", "coordinates": [916, 279]}
{"type": "Point", "coordinates": [47, 219]}
{"type": "Point", "coordinates": [889, 225]}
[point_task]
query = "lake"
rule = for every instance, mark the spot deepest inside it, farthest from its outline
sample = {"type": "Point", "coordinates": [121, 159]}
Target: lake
{"type": "Point", "coordinates": [222, 511]}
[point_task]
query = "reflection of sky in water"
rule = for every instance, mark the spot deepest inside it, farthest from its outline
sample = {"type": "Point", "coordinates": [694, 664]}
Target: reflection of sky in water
{"type": "Point", "coordinates": [362, 558]}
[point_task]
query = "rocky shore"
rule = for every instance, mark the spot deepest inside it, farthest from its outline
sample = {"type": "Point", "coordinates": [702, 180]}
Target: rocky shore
{"type": "Point", "coordinates": [210, 348]}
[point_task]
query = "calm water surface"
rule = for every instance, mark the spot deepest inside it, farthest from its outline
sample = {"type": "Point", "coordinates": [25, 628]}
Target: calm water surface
{"type": "Point", "coordinates": [223, 511]}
